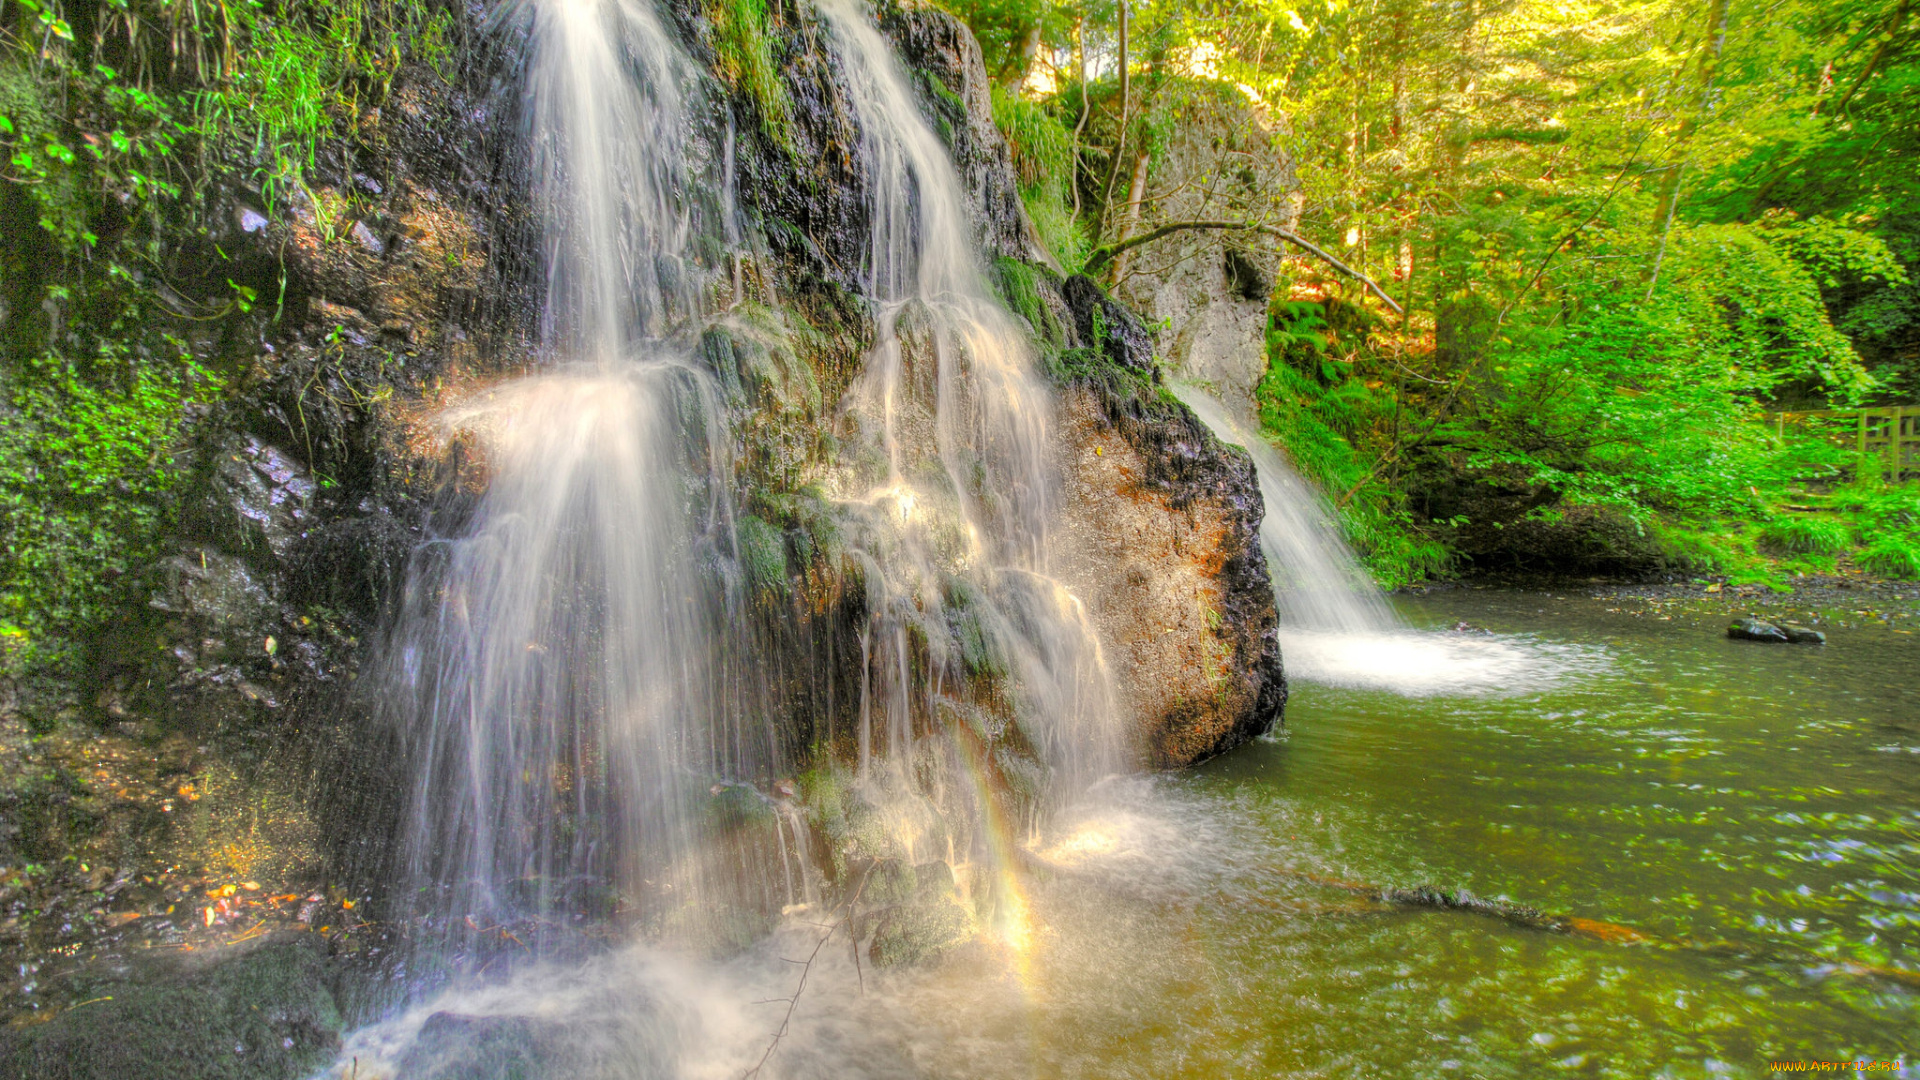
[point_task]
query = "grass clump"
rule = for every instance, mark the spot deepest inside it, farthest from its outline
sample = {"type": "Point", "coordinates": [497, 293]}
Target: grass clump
{"type": "Point", "coordinates": [1806, 536]}
{"type": "Point", "coordinates": [1892, 557]}
{"type": "Point", "coordinates": [1043, 160]}
{"type": "Point", "coordinates": [743, 55]}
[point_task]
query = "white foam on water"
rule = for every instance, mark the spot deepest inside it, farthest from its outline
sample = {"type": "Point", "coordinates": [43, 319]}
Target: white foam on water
{"type": "Point", "coordinates": [1416, 663]}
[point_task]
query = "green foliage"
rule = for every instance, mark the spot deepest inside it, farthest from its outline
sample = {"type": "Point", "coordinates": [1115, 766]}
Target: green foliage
{"type": "Point", "coordinates": [1753, 297]}
{"type": "Point", "coordinates": [1328, 431]}
{"type": "Point", "coordinates": [111, 140]}
{"type": "Point", "coordinates": [743, 53]}
{"type": "Point", "coordinates": [1010, 31]}
{"type": "Point", "coordinates": [1042, 148]}
{"type": "Point", "coordinates": [1892, 557]}
{"type": "Point", "coordinates": [86, 466]}
{"type": "Point", "coordinates": [1806, 536]}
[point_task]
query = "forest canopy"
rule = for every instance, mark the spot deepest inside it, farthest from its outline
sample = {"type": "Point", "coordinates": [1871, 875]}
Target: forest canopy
{"type": "Point", "coordinates": [1618, 235]}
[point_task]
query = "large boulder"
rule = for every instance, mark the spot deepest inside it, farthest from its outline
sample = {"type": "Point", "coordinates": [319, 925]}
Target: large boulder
{"type": "Point", "coordinates": [1163, 521]}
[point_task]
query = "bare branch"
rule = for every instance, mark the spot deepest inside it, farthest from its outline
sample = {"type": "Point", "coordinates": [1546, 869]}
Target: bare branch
{"type": "Point", "coordinates": [1106, 254]}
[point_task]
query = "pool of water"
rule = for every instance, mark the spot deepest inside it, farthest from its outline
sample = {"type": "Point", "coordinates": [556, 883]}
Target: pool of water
{"type": "Point", "coordinates": [1740, 822]}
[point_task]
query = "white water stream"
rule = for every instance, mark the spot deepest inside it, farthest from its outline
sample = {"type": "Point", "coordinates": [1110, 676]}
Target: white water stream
{"type": "Point", "coordinates": [547, 676]}
{"type": "Point", "coordinates": [550, 675]}
{"type": "Point", "coordinates": [949, 493]}
{"type": "Point", "coordinates": [1336, 626]}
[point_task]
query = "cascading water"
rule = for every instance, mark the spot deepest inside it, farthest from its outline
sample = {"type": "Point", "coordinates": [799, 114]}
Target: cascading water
{"type": "Point", "coordinates": [948, 491]}
{"type": "Point", "coordinates": [553, 668]}
{"type": "Point", "coordinates": [1336, 626]}
{"type": "Point", "coordinates": [548, 674]}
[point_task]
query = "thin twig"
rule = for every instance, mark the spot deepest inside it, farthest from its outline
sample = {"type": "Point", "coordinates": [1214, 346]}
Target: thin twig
{"type": "Point", "coordinates": [806, 969]}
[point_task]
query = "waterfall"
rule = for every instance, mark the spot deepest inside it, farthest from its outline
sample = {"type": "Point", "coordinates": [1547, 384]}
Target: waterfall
{"type": "Point", "coordinates": [1317, 583]}
{"type": "Point", "coordinates": [1336, 626]}
{"type": "Point", "coordinates": [948, 487]}
{"type": "Point", "coordinates": [553, 673]}
{"type": "Point", "coordinates": [951, 490]}
{"type": "Point", "coordinates": [548, 673]}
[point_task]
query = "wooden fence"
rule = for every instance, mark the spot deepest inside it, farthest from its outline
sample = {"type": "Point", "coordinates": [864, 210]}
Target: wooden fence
{"type": "Point", "coordinates": [1891, 433]}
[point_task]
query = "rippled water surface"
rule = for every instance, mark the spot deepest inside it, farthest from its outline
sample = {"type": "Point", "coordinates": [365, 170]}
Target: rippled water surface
{"type": "Point", "coordinates": [1740, 822]}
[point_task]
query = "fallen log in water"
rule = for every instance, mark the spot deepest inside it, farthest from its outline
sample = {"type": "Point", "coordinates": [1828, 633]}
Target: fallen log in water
{"type": "Point", "coordinates": [1427, 896]}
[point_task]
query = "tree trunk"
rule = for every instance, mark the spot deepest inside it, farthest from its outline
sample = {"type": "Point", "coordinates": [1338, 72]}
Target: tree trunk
{"type": "Point", "coordinates": [1670, 182]}
{"type": "Point", "coordinates": [1136, 194]}
{"type": "Point", "coordinates": [1126, 117]}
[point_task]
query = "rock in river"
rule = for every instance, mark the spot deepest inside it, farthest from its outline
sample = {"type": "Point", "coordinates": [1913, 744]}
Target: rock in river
{"type": "Point", "coordinates": [1756, 630]}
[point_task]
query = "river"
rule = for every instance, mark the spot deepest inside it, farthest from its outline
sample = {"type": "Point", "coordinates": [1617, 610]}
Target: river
{"type": "Point", "coordinates": [1740, 822]}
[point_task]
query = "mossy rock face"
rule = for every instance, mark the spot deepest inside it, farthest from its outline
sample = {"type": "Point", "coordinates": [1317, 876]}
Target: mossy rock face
{"type": "Point", "coordinates": [889, 881]}
{"type": "Point", "coordinates": [919, 932]}
{"type": "Point", "coordinates": [485, 1048]}
{"type": "Point", "coordinates": [267, 1013]}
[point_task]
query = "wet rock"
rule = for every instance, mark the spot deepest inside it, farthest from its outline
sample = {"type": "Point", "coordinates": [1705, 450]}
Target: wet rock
{"type": "Point", "coordinates": [365, 238]}
{"type": "Point", "coordinates": [1802, 635]}
{"type": "Point", "coordinates": [1164, 523]}
{"type": "Point", "coordinates": [919, 932]}
{"type": "Point", "coordinates": [218, 592]}
{"type": "Point", "coordinates": [1756, 630]}
{"type": "Point", "coordinates": [1108, 326]}
{"type": "Point", "coordinates": [940, 49]}
{"type": "Point", "coordinates": [255, 502]}
{"type": "Point", "coordinates": [888, 881]}
{"type": "Point", "coordinates": [263, 1013]}
{"type": "Point", "coordinates": [452, 1046]}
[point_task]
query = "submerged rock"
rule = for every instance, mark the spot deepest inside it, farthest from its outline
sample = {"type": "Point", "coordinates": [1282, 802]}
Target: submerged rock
{"type": "Point", "coordinates": [919, 931]}
{"type": "Point", "coordinates": [1802, 635]}
{"type": "Point", "coordinates": [453, 1045]}
{"type": "Point", "coordinates": [263, 1014]}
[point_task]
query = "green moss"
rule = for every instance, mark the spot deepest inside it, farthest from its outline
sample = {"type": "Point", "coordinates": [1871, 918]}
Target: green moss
{"type": "Point", "coordinates": [763, 555]}
{"type": "Point", "coordinates": [264, 1014]}
{"type": "Point", "coordinates": [87, 466]}
{"type": "Point", "coordinates": [919, 932]}
{"type": "Point", "coordinates": [980, 652]}
{"type": "Point", "coordinates": [1019, 286]}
